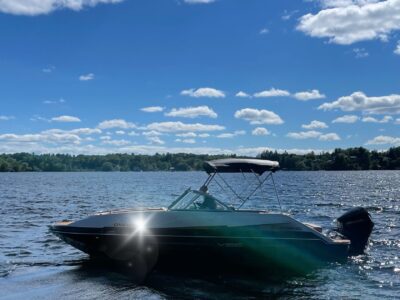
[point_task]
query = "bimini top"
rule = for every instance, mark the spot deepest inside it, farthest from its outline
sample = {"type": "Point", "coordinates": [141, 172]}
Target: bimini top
{"type": "Point", "coordinates": [237, 165]}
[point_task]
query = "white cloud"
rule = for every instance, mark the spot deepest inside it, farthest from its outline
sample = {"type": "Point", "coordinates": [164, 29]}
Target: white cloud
{"type": "Point", "coordinates": [151, 109]}
{"type": "Point", "coordinates": [86, 77]}
{"type": "Point", "coordinates": [192, 112]}
{"type": "Point", "coordinates": [186, 141]}
{"type": "Point", "coordinates": [358, 101]}
{"type": "Point", "coordinates": [187, 134]}
{"type": "Point", "coordinates": [260, 131]}
{"type": "Point", "coordinates": [116, 142]}
{"type": "Point", "coordinates": [179, 126]}
{"type": "Point", "coordinates": [256, 117]}
{"type": "Point", "coordinates": [264, 31]}
{"type": "Point", "coordinates": [346, 119]}
{"type": "Point", "coordinates": [155, 140]}
{"type": "Point", "coordinates": [78, 131]}
{"type": "Point", "coordinates": [203, 92]}
{"type": "Point", "coordinates": [272, 92]}
{"type": "Point", "coordinates": [59, 101]}
{"type": "Point", "coordinates": [199, 1]}
{"type": "Point", "coordinates": [105, 137]}
{"type": "Point", "coordinates": [38, 7]}
{"type": "Point", "coordinates": [385, 119]}
{"type": "Point", "coordinates": [116, 123]}
{"type": "Point", "coordinates": [65, 119]}
{"type": "Point", "coordinates": [133, 133]}
{"type": "Point", "coordinates": [360, 53]}
{"type": "Point", "coordinates": [315, 125]}
{"type": "Point", "coordinates": [43, 137]}
{"type": "Point", "coordinates": [204, 135]}
{"type": "Point", "coordinates": [6, 118]}
{"type": "Point", "coordinates": [384, 140]}
{"type": "Point", "coordinates": [352, 23]}
{"type": "Point", "coordinates": [397, 121]}
{"type": "Point", "coordinates": [48, 69]}
{"type": "Point", "coordinates": [302, 135]}
{"type": "Point", "coordinates": [312, 134]}
{"type": "Point", "coordinates": [309, 95]}
{"type": "Point", "coordinates": [152, 133]}
{"type": "Point", "coordinates": [397, 50]}
{"type": "Point", "coordinates": [329, 137]}
{"type": "Point", "coordinates": [242, 94]}
{"type": "Point", "coordinates": [120, 132]}
{"type": "Point", "coordinates": [228, 135]}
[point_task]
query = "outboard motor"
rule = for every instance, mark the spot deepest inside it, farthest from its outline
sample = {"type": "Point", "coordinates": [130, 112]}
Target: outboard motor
{"type": "Point", "coordinates": [356, 225]}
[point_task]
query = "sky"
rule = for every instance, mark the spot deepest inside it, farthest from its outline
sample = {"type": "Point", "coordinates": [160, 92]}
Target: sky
{"type": "Point", "coordinates": [198, 76]}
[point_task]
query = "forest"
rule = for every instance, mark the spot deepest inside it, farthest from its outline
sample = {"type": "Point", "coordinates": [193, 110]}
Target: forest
{"type": "Point", "coordinates": [340, 159]}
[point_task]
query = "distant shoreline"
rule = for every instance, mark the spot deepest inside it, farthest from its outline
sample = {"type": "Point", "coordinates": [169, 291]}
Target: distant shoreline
{"type": "Point", "coordinates": [351, 159]}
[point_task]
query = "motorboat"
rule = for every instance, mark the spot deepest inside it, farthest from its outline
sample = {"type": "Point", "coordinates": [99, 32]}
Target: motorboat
{"type": "Point", "coordinates": [200, 227]}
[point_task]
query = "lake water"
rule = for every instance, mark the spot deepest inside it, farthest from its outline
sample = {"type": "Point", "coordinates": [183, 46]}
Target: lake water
{"type": "Point", "coordinates": [36, 265]}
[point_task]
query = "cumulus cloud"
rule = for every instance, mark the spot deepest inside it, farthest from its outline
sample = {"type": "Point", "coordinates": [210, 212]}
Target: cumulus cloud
{"type": "Point", "coordinates": [309, 95]}
{"type": "Point", "coordinates": [228, 135]}
{"type": "Point", "coordinates": [242, 94]}
{"type": "Point", "coordinates": [385, 119]}
{"type": "Point", "coordinates": [264, 31]}
{"type": "Point", "coordinates": [186, 141]}
{"type": "Point", "coordinates": [66, 119]}
{"type": "Point", "coordinates": [397, 50]}
{"type": "Point", "coordinates": [152, 133]}
{"type": "Point", "coordinates": [360, 53]}
{"type": "Point", "coordinates": [86, 77]}
{"type": "Point", "coordinates": [38, 7]}
{"type": "Point", "coordinates": [384, 140]}
{"type": "Point", "coordinates": [312, 134]}
{"type": "Point", "coordinates": [272, 92]}
{"type": "Point", "coordinates": [192, 112]}
{"type": "Point", "coordinates": [187, 135]}
{"type": "Point", "coordinates": [59, 101]}
{"type": "Point", "coordinates": [43, 137]}
{"type": "Point", "coordinates": [358, 101]}
{"type": "Point", "coordinates": [260, 131]}
{"type": "Point", "coordinates": [6, 118]}
{"type": "Point", "coordinates": [116, 123]}
{"type": "Point", "coordinates": [179, 126]}
{"type": "Point", "coordinates": [397, 121]}
{"type": "Point", "coordinates": [315, 125]}
{"type": "Point", "coordinates": [155, 140]}
{"type": "Point", "coordinates": [329, 137]}
{"type": "Point", "coordinates": [116, 142]}
{"type": "Point", "coordinates": [78, 131]}
{"type": "Point", "coordinates": [152, 109]}
{"type": "Point", "coordinates": [302, 135]}
{"type": "Point", "coordinates": [359, 21]}
{"type": "Point", "coordinates": [346, 119]}
{"type": "Point", "coordinates": [256, 116]}
{"type": "Point", "coordinates": [203, 92]}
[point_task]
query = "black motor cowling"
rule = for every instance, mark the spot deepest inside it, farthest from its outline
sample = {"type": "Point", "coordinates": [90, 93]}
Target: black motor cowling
{"type": "Point", "coordinates": [356, 225]}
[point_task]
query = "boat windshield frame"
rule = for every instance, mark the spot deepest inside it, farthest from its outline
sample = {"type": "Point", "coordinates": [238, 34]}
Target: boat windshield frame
{"type": "Point", "coordinates": [192, 201]}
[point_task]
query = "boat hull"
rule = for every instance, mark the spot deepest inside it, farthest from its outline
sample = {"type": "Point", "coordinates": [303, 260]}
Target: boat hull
{"type": "Point", "coordinates": [253, 240]}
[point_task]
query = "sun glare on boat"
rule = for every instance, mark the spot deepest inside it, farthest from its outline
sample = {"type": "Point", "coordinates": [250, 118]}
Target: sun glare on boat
{"type": "Point", "coordinates": [140, 225]}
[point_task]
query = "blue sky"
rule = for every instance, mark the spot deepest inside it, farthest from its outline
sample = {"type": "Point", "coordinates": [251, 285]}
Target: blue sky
{"type": "Point", "coordinates": [201, 76]}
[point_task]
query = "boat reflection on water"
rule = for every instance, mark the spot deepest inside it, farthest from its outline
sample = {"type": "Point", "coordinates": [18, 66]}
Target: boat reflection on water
{"type": "Point", "coordinates": [200, 231]}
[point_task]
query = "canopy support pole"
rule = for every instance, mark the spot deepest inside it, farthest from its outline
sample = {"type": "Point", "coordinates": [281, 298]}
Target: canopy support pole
{"type": "Point", "coordinates": [257, 187]}
{"type": "Point", "coordinates": [276, 192]}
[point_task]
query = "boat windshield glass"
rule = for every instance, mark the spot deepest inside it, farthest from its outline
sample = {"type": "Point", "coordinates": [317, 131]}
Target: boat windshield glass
{"type": "Point", "coordinates": [196, 200]}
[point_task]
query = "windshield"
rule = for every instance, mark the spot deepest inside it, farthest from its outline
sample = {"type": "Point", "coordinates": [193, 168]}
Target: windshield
{"type": "Point", "coordinates": [196, 200]}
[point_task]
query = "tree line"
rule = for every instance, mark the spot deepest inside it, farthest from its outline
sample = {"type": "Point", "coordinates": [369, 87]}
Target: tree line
{"type": "Point", "coordinates": [340, 159]}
